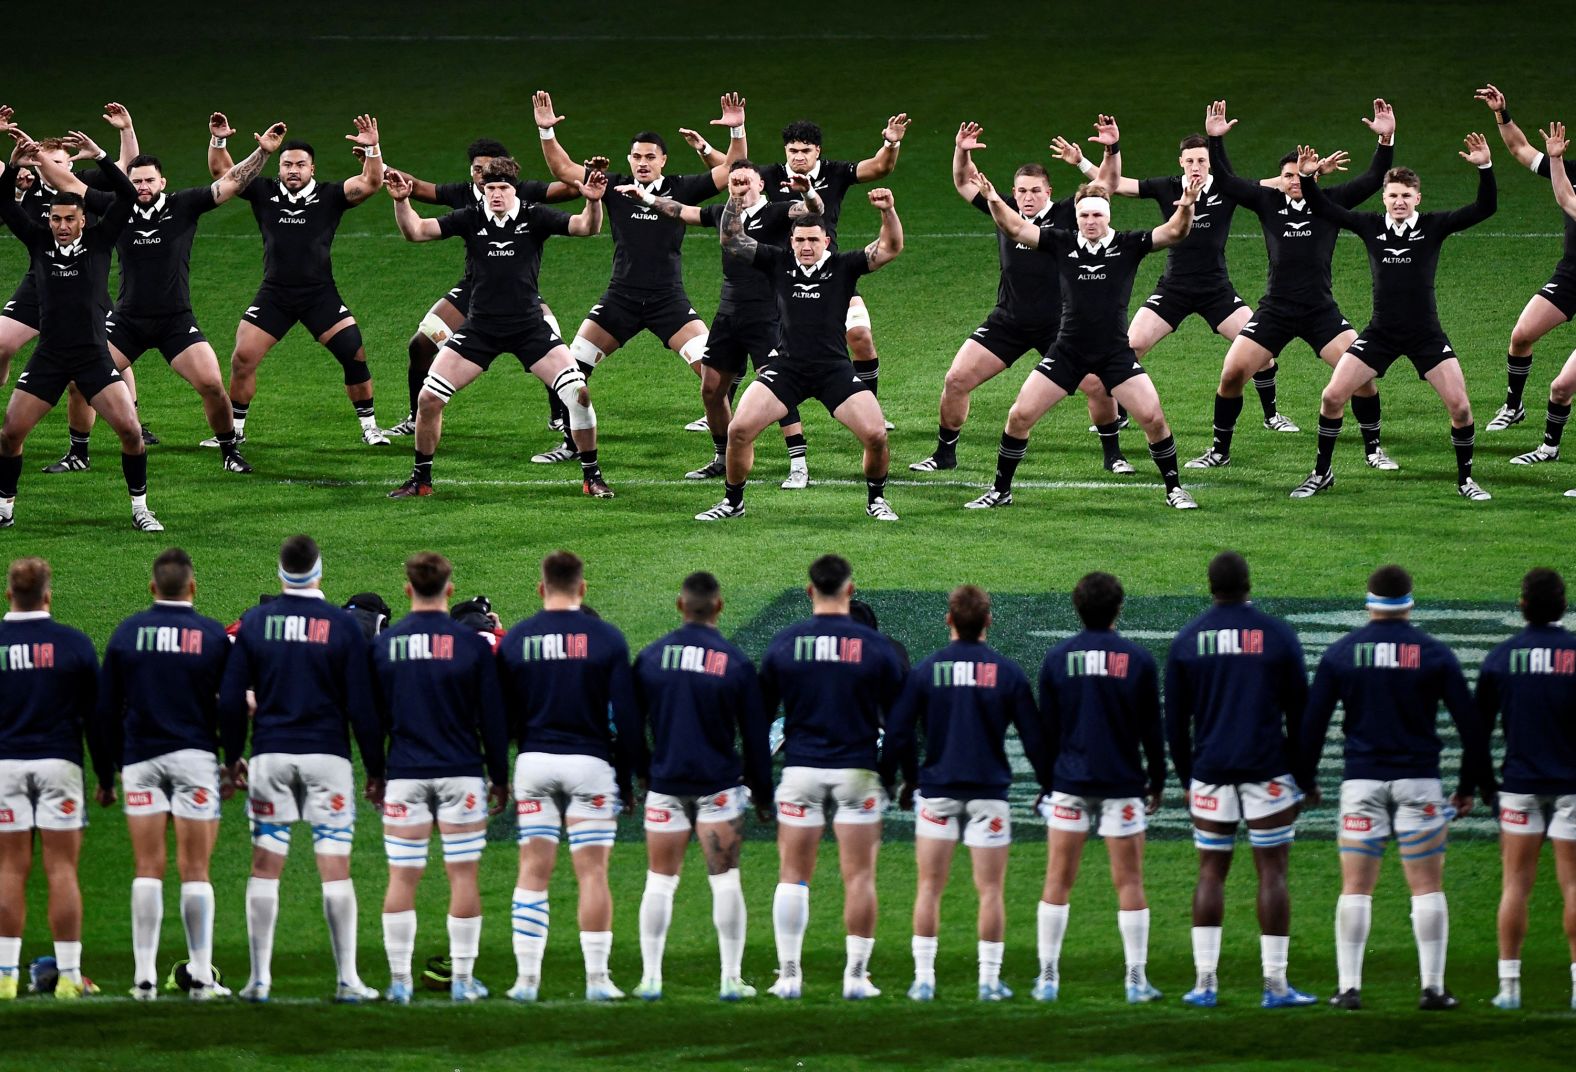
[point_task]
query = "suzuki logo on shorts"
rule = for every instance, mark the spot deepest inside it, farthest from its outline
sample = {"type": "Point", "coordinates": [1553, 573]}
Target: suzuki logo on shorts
{"type": "Point", "coordinates": [392, 810]}
{"type": "Point", "coordinates": [1129, 813]}
{"type": "Point", "coordinates": [68, 806]}
{"type": "Point", "coordinates": [795, 811]}
{"type": "Point", "coordinates": [599, 801]}
{"type": "Point", "coordinates": [200, 797]}
{"type": "Point", "coordinates": [869, 804]}
{"type": "Point", "coordinates": [1275, 789]}
{"type": "Point", "coordinates": [527, 807]}
{"type": "Point", "coordinates": [139, 800]}
{"type": "Point", "coordinates": [1430, 810]}
{"type": "Point", "coordinates": [1061, 811]}
{"type": "Point", "coordinates": [996, 825]}
{"type": "Point", "coordinates": [658, 815]}
{"type": "Point", "coordinates": [720, 800]}
{"type": "Point", "coordinates": [1203, 803]}
{"type": "Point", "coordinates": [1514, 818]}
{"type": "Point", "coordinates": [470, 801]}
{"type": "Point", "coordinates": [337, 802]}
{"type": "Point", "coordinates": [1360, 824]}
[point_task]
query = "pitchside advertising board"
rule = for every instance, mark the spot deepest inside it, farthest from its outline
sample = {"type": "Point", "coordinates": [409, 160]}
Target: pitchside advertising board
{"type": "Point", "coordinates": [1026, 626]}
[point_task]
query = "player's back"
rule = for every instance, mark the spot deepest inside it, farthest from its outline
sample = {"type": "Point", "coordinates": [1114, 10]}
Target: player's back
{"type": "Point", "coordinates": [1099, 697]}
{"type": "Point", "coordinates": [163, 668]}
{"type": "Point", "coordinates": [971, 695]}
{"type": "Point", "coordinates": [836, 679]}
{"type": "Point", "coordinates": [561, 670]}
{"type": "Point", "coordinates": [1532, 679]}
{"type": "Point", "coordinates": [47, 687]}
{"type": "Point", "coordinates": [436, 684]}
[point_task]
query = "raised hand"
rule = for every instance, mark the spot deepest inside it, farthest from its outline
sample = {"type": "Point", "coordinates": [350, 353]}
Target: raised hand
{"type": "Point", "coordinates": [219, 126]}
{"type": "Point", "coordinates": [270, 139]}
{"type": "Point", "coordinates": [1336, 161]}
{"type": "Point", "coordinates": [1383, 122]}
{"type": "Point", "coordinates": [693, 137]}
{"type": "Point", "coordinates": [1477, 152]}
{"type": "Point", "coordinates": [82, 147]}
{"type": "Point", "coordinates": [366, 134]}
{"type": "Point", "coordinates": [542, 109]}
{"type": "Point", "coordinates": [800, 184]}
{"type": "Point", "coordinates": [978, 179]}
{"type": "Point", "coordinates": [896, 127]}
{"type": "Point", "coordinates": [594, 186]}
{"type": "Point", "coordinates": [398, 183]}
{"type": "Point", "coordinates": [1191, 191]}
{"type": "Point", "coordinates": [597, 163]}
{"type": "Point", "coordinates": [881, 199]}
{"type": "Point", "coordinates": [629, 190]}
{"type": "Point", "coordinates": [732, 111]}
{"type": "Point", "coordinates": [6, 116]}
{"type": "Point", "coordinates": [1105, 130]}
{"type": "Point", "coordinates": [1068, 152]}
{"type": "Point", "coordinates": [1216, 125]}
{"type": "Point", "coordinates": [117, 116]}
{"type": "Point", "coordinates": [1491, 96]}
{"type": "Point", "coordinates": [968, 137]}
{"type": "Point", "coordinates": [1307, 159]}
{"type": "Point", "coordinates": [1554, 142]}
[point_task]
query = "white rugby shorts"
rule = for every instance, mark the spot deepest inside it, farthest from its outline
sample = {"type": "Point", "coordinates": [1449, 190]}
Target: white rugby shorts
{"type": "Point", "coordinates": [1119, 816]}
{"type": "Point", "coordinates": [41, 794]}
{"type": "Point", "coordinates": [983, 823]}
{"type": "Point", "coordinates": [184, 783]}
{"type": "Point", "coordinates": [665, 812]}
{"type": "Point", "coordinates": [803, 792]}
{"type": "Point", "coordinates": [1243, 801]}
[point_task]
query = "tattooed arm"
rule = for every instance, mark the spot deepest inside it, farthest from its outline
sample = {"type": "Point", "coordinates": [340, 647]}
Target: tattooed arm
{"type": "Point", "coordinates": [239, 176]}
{"type": "Point", "coordinates": [662, 206]}
{"type": "Point", "coordinates": [730, 228]}
{"type": "Point", "coordinates": [889, 243]}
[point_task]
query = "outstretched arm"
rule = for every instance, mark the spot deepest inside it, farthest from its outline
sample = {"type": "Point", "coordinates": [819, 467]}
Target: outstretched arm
{"type": "Point", "coordinates": [370, 181]}
{"type": "Point", "coordinates": [412, 226]}
{"type": "Point", "coordinates": [559, 164]}
{"type": "Point", "coordinates": [1177, 227]}
{"type": "Point", "coordinates": [1318, 203]}
{"type": "Point", "coordinates": [1509, 132]}
{"type": "Point", "coordinates": [1109, 135]}
{"type": "Point", "coordinates": [1476, 154]}
{"type": "Point", "coordinates": [889, 243]}
{"type": "Point", "coordinates": [1554, 147]}
{"type": "Point", "coordinates": [963, 146]}
{"type": "Point", "coordinates": [1009, 222]}
{"type": "Point", "coordinates": [118, 117]}
{"type": "Point", "coordinates": [1216, 127]}
{"type": "Point", "coordinates": [738, 144]}
{"type": "Point", "coordinates": [881, 164]}
{"type": "Point", "coordinates": [730, 231]}
{"type": "Point", "coordinates": [589, 220]}
{"type": "Point", "coordinates": [662, 206]}
{"type": "Point", "coordinates": [240, 176]}
{"type": "Point", "coordinates": [219, 134]}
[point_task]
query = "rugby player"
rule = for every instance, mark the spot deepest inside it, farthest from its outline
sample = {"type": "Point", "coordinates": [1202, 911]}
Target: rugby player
{"type": "Point", "coordinates": [159, 717]}
{"type": "Point", "coordinates": [836, 680]}
{"type": "Point", "coordinates": [1099, 705]}
{"type": "Point", "coordinates": [1531, 680]}
{"type": "Point", "coordinates": [1390, 678]}
{"type": "Point", "coordinates": [698, 694]}
{"type": "Point", "coordinates": [1297, 301]}
{"type": "Point", "coordinates": [566, 687]}
{"type": "Point", "coordinates": [1028, 298]}
{"type": "Point", "coordinates": [1097, 266]}
{"type": "Point", "coordinates": [1235, 690]}
{"type": "Point", "coordinates": [306, 661]}
{"type": "Point", "coordinates": [1403, 254]}
{"type": "Point", "coordinates": [70, 270]}
{"type": "Point", "coordinates": [50, 675]}
{"type": "Point", "coordinates": [298, 217]}
{"type": "Point", "coordinates": [813, 287]}
{"type": "Point", "coordinates": [1555, 301]}
{"type": "Point", "coordinates": [503, 239]}
{"type": "Point", "coordinates": [962, 700]}
{"type": "Point", "coordinates": [436, 693]}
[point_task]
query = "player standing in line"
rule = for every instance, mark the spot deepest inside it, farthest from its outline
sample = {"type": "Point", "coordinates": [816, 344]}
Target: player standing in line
{"type": "Point", "coordinates": [646, 290]}
{"type": "Point", "coordinates": [1097, 267]}
{"type": "Point", "coordinates": [298, 217]}
{"type": "Point", "coordinates": [50, 677]}
{"type": "Point", "coordinates": [503, 239]}
{"type": "Point", "coordinates": [1390, 678]}
{"type": "Point", "coordinates": [1531, 678]}
{"type": "Point", "coordinates": [158, 711]}
{"type": "Point", "coordinates": [836, 680]}
{"type": "Point", "coordinates": [1028, 308]}
{"type": "Point", "coordinates": [1235, 690]}
{"type": "Point", "coordinates": [746, 325]}
{"type": "Point", "coordinates": [566, 686]}
{"type": "Point", "coordinates": [1403, 255]}
{"type": "Point", "coordinates": [698, 693]}
{"type": "Point", "coordinates": [1555, 301]}
{"type": "Point", "coordinates": [1297, 301]}
{"type": "Point", "coordinates": [306, 662]}
{"type": "Point", "coordinates": [962, 699]}
{"type": "Point", "coordinates": [155, 305]}
{"type": "Point", "coordinates": [70, 270]}
{"type": "Point", "coordinates": [436, 692]}
{"type": "Point", "coordinates": [1099, 705]}
{"type": "Point", "coordinates": [813, 287]}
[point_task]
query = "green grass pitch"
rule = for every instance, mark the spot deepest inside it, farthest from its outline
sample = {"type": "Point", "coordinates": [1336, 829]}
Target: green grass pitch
{"type": "Point", "coordinates": [438, 76]}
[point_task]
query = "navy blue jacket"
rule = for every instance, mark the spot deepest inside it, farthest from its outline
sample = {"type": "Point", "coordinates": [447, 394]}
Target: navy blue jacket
{"type": "Point", "coordinates": [1532, 679]}
{"type": "Point", "coordinates": [1099, 705]}
{"type": "Point", "coordinates": [48, 685]}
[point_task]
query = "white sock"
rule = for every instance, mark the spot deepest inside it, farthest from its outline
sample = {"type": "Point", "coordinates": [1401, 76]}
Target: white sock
{"type": "Point", "coordinates": [1509, 969]}
{"type": "Point", "coordinates": [656, 914]}
{"type": "Point", "coordinates": [529, 917]}
{"type": "Point", "coordinates": [924, 958]}
{"type": "Point", "coordinates": [595, 947]}
{"type": "Point", "coordinates": [1274, 955]}
{"type": "Point", "coordinates": [339, 909]}
{"type": "Point", "coordinates": [790, 919]}
{"type": "Point", "coordinates": [11, 956]}
{"type": "Point", "coordinates": [7, 506]}
{"type": "Point", "coordinates": [465, 939]}
{"type": "Point", "coordinates": [728, 915]}
{"type": "Point", "coordinates": [262, 911]}
{"type": "Point", "coordinates": [1206, 956]}
{"type": "Point", "coordinates": [139, 502]}
{"type": "Point", "coordinates": [368, 422]}
{"type": "Point", "coordinates": [399, 942]}
{"type": "Point", "coordinates": [990, 954]}
{"type": "Point", "coordinates": [68, 959]}
{"type": "Point", "coordinates": [147, 914]}
{"type": "Point", "coordinates": [1135, 943]}
{"type": "Point", "coordinates": [857, 964]}
{"type": "Point", "coordinates": [1431, 928]}
{"type": "Point", "coordinates": [1053, 928]}
{"type": "Point", "coordinates": [240, 427]}
{"type": "Point", "coordinates": [1353, 918]}
{"type": "Point", "coordinates": [197, 917]}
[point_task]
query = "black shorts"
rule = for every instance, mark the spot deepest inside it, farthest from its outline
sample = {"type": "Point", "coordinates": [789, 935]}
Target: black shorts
{"type": "Point", "coordinates": [829, 384]}
{"type": "Point", "coordinates": [22, 306]}
{"type": "Point", "coordinates": [623, 314]}
{"type": "Point", "coordinates": [135, 335]}
{"type": "Point", "coordinates": [1008, 338]}
{"type": "Point", "coordinates": [739, 336]}
{"type": "Point", "coordinates": [49, 371]}
{"type": "Point", "coordinates": [1560, 290]}
{"type": "Point", "coordinates": [459, 296]}
{"type": "Point", "coordinates": [1275, 324]}
{"type": "Point", "coordinates": [276, 310]}
{"type": "Point", "coordinates": [1379, 348]}
{"type": "Point", "coordinates": [480, 345]}
{"type": "Point", "coordinates": [1067, 369]}
{"type": "Point", "coordinates": [1174, 303]}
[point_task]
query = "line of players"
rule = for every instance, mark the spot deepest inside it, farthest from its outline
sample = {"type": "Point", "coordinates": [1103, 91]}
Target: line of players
{"type": "Point", "coordinates": [434, 701]}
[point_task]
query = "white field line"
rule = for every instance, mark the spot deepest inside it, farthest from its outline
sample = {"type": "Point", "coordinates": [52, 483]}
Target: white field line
{"type": "Point", "coordinates": [1053, 485]}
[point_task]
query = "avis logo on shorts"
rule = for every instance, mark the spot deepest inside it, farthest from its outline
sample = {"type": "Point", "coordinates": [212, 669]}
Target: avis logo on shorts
{"type": "Point", "coordinates": [1204, 803]}
{"type": "Point", "coordinates": [527, 807]}
{"type": "Point", "coordinates": [262, 807]}
{"type": "Point", "coordinates": [7, 815]}
{"type": "Point", "coordinates": [1358, 823]}
{"type": "Point", "coordinates": [139, 800]}
{"type": "Point", "coordinates": [924, 814]}
{"type": "Point", "coordinates": [1061, 811]}
{"type": "Point", "coordinates": [395, 811]}
{"type": "Point", "coordinates": [658, 815]}
{"type": "Point", "coordinates": [795, 811]}
{"type": "Point", "coordinates": [1514, 818]}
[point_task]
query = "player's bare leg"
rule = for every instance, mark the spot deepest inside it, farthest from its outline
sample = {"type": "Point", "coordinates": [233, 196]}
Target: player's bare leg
{"type": "Point", "coordinates": [588, 349]}
{"type": "Point", "coordinates": [1215, 843]}
{"type": "Point", "coordinates": [61, 851]}
{"type": "Point", "coordinates": [343, 340]}
{"type": "Point", "coordinates": [252, 344]}
{"type": "Point", "coordinates": [858, 848]}
{"type": "Point", "coordinates": [1271, 839]}
{"type": "Point", "coordinates": [1132, 914]}
{"type": "Point", "coordinates": [971, 366]}
{"type": "Point", "coordinates": [990, 880]}
{"type": "Point", "coordinates": [758, 408]}
{"type": "Point", "coordinates": [16, 860]}
{"type": "Point", "coordinates": [1143, 403]}
{"type": "Point", "coordinates": [1451, 386]}
{"type": "Point", "coordinates": [862, 347]}
{"type": "Point", "coordinates": [399, 903]}
{"type": "Point", "coordinates": [1539, 317]}
{"type": "Point", "coordinates": [114, 404]}
{"type": "Point", "coordinates": [595, 914]}
{"type": "Point", "coordinates": [1063, 856]}
{"type": "Point", "coordinates": [933, 865]}
{"type": "Point", "coordinates": [529, 913]}
{"type": "Point", "coordinates": [861, 415]}
{"type": "Point", "coordinates": [198, 365]}
{"type": "Point", "coordinates": [22, 414]}
{"type": "Point", "coordinates": [664, 862]}
{"type": "Point", "coordinates": [13, 336]}
{"type": "Point", "coordinates": [1519, 859]}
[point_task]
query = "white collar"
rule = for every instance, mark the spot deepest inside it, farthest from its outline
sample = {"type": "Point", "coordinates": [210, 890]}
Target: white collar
{"type": "Point", "coordinates": [1209, 180]}
{"type": "Point", "coordinates": [760, 203]}
{"type": "Point", "coordinates": [1096, 247]}
{"type": "Point", "coordinates": [1301, 204]}
{"type": "Point", "coordinates": [1403, 226]}
{"type": "Point", "coordinates": [152, 210]}
{"type": "Point", "coordinates": [815, 172]}
{"type": "Point", "coordinates": [507, 217]}
{"type": "Point", "coordinates": [648, 187]}
{"type": "Point", "coordinates": [74, 249]}
{"type": "Point", "coordinates": [26, 615]}
{"type": "Point", "coordinates": [1039, 217]}
{"type": "Point", "coordinates": [173, 603]}
{"type": "Point", "coordinates": [305, 193]}
{"type": "Point", "coordinates": [309, 593]}
{"type": "Point", "coordinates": [810, 269]}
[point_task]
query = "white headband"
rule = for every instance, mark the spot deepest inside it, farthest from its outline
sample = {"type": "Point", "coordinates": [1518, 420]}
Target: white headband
{"type": "Point", "coordinates": [1389, 602]}
{"type": "Point", "coordinates": [302, 580]}
{"type": "Point", "coordinates": [1094, 204]}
